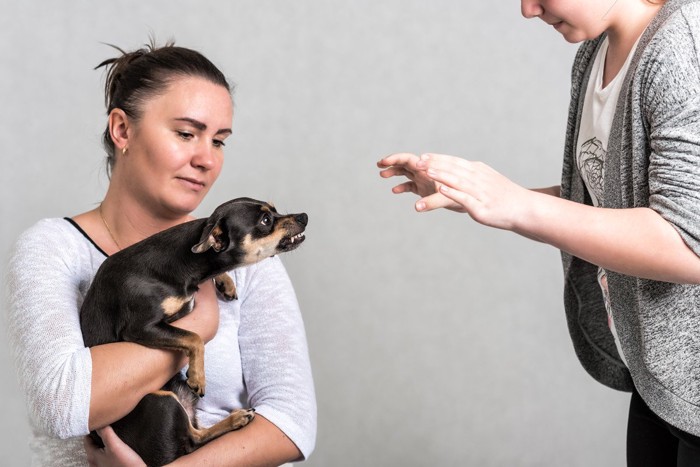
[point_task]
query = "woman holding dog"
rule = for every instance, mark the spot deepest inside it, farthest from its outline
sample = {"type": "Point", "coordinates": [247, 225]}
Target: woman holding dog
{"type": "Point", "coordinates": [626, 216]}
{"type": "Point", "coordinates": [169, 114]}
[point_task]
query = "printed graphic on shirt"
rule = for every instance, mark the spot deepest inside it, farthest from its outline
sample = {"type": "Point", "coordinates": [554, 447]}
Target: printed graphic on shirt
{"type": "Point", "coordinates": [590, 161]}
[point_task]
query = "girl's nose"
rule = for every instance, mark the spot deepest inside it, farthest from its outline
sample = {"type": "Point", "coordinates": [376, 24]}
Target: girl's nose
{"type": "Point", "coordinates": [531, 8]}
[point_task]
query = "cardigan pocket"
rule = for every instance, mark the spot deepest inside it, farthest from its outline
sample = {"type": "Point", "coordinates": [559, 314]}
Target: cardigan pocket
{"type": "Point", "coordinates": [670, 336]}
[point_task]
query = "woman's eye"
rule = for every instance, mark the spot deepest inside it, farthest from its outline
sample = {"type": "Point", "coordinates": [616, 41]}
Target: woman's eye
{"type": "Point", "coordinates": [219, 144]}
{"type": "Point", "coordinates": [185, 135]}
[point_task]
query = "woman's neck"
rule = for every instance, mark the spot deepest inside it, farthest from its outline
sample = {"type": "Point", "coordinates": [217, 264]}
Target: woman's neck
{"type": "Point", "coordinates": [629, 22]}
{"type": "Point", "coordinates": [129, 221]}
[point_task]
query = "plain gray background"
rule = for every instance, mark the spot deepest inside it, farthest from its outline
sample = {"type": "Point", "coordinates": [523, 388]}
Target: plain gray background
{"type": "Point", "coordinates": [434, 340]}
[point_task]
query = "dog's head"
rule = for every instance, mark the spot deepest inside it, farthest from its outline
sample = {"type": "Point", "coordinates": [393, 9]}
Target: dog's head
{"type": "Point", "coordinates": [251, 230]}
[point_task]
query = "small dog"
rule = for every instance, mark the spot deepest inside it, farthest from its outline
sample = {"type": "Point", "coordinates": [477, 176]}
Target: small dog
{"type": "Point", "coordinates": [138, 291]}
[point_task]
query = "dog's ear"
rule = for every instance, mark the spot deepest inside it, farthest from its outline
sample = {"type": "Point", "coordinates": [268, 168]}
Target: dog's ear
{"type": "Point", "coordinates": [213, 236]}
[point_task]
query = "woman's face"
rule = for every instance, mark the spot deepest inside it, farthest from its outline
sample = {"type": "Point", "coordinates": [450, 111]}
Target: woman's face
{"type": "Point", "coordinates": [175, 151]}
{"type": "Point", "coordinates": [576, 20]}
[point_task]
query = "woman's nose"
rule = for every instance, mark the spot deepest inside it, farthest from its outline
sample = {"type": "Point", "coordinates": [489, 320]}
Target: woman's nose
{"type": "Point", "coordinates": [531, 8]}
{"type": "Point", "coordinates": [204, 157]}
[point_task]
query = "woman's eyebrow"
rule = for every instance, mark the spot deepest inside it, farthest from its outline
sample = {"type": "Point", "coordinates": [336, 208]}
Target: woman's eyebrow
{"type": "Point", "coordinates": [201, 126]}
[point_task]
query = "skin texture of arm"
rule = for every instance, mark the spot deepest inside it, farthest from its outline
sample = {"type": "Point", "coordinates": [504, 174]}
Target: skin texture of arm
{"type": "Point", "coordinates": [250, 446]}
{"type": "Point", "coordinates": [636, 242]}
{"type": "Point", "coordinates": [258, 444]}
{"type": "Point", "coordinates": [124, 372]}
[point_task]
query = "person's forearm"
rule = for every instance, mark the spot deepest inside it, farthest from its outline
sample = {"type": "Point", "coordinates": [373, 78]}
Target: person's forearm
{"type": "Point", "coordinates": [550, 190]}
{"type": "Point", "coordinates": [637, 242]}
{"type": "Point", "coordinates": [122, 373]}
{"type": "Point", "coordinates": [258, 444]}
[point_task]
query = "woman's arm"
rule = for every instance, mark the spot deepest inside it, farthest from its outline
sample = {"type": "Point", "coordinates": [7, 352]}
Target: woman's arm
{"type": "Point", "coordinates": [637, 242]}
{"type": "Point", "coordinates": [124, 372]}
{"type": "Point", "coordinates": [258, 444]}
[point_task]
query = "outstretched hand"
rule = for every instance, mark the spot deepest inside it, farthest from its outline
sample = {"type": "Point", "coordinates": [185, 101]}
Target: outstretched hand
{"type": "Point", "coordinates": [409, 166]}
{"type": "Point", "coordinates": [115, 453]}
{"type": "Point", "coordinates": [453, 183]}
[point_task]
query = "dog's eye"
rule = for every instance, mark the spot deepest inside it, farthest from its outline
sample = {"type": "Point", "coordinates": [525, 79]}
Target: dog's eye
{"type": "Point", "coordinates": [266, 220]}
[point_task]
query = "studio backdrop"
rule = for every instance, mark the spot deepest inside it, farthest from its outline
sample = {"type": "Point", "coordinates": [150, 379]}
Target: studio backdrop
{"type": "Point", "coordinates": [434, 341]}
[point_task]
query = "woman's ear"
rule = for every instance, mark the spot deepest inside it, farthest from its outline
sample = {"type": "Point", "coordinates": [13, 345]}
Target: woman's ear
{"type": "Point", "coordinates": [119, 129]}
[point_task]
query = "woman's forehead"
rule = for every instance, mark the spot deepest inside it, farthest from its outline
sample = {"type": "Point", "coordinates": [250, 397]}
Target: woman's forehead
{"type": "Point", "coordinates": [192, 97]}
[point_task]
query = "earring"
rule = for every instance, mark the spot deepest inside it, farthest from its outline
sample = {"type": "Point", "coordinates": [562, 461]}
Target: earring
{"type": "Point", "coordinates": [123, 150]}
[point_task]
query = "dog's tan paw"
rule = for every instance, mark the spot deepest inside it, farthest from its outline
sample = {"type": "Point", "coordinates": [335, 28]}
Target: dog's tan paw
{"type": "Point", "coordinates": [226, 287]}
{"type": "Point", "coordinates": [196, 383]}
{"type": "Point", "coordinates": [240, 418]}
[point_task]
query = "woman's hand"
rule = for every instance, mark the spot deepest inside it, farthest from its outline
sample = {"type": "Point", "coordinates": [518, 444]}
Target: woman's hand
{"type": "Point", "coordinates": [204, 318]}
{"type": "Point", "coordinates": [407, 165]}
{"type": "Point", "coordinates": [115, 453]}
{"type": "Point", "coordinates": [459, 185]}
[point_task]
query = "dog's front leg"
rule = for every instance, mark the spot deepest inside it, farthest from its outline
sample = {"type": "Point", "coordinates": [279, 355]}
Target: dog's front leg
{"type": "Point", "coordinates": [165, 336]}
{"type": "Point", "coordinates": [226, 287]}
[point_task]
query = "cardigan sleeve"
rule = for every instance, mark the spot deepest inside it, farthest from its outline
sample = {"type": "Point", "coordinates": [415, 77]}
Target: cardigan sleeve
{"type": "Point", "coordinates": [53, 366]}
{"type": "Point", "coordinates": [274, 354]}
{"type": "Point", "coordinates": [671, 104]}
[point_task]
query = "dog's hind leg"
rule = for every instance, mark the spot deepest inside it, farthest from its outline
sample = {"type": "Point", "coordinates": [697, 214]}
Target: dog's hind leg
{"type": "Point", "coordinates": [164, 336]}
{"type": "Point", "coordinates": [235, 421]}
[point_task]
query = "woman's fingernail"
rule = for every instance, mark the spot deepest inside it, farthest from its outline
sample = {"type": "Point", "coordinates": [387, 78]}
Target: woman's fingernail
{"type": "Point", "coordinates": [444, 189]}
{"type": "Point", "coordinates": [420, 206]}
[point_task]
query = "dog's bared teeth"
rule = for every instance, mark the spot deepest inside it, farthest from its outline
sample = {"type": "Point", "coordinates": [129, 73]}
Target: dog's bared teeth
{"type": "Point", "coordinates": [296, 237]}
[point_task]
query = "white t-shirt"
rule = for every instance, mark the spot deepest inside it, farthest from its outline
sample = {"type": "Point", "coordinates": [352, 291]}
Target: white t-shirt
{"type": "Point", "coordinates": [596, 123]}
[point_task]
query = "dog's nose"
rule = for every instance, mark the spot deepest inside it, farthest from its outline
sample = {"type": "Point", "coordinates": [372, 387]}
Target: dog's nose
{"type": "Point", "coordinates": [302, 218]}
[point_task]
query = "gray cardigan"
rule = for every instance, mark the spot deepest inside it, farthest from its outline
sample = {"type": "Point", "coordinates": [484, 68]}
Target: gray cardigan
{"type": "Point", "coordinates": [653, 160]}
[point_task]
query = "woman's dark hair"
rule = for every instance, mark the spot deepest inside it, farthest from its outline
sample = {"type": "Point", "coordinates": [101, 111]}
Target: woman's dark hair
{"type": "Point", "coordinates": [134, 77]}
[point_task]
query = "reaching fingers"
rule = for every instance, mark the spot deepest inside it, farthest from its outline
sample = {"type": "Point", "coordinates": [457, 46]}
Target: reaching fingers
{"type": "Point", "coordinates": [459, 197]}
{"type": "Point", "coordinates": [400, 158]}
{"type": "Point", "coordinates": [406, 187]}
{"type": "Point", "coordinates": [394, 171]}
{"type": "Point", "coordinates": [445, 163]}
{"type": "Point", "coordinates": [435, 201]}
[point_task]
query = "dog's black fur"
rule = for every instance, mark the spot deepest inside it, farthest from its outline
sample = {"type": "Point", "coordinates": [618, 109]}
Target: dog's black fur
{"type": "Point", "coordinates": [138, 291]}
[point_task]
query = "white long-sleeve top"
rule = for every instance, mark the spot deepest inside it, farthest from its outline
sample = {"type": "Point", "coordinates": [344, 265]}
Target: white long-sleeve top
{"type": "Point", "coordinates": [259, 357]}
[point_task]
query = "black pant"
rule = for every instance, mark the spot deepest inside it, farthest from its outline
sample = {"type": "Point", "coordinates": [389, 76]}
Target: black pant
{"type": "Point", "coordinates": [651, 442]}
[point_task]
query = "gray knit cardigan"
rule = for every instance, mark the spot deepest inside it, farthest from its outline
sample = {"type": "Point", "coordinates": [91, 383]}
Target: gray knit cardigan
{"type": "Point", "coordinates": [653, 160]}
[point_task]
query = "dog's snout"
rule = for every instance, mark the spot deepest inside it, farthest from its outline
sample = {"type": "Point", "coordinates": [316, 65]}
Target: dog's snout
{"type": "Point", "coordinates": [302, 218]}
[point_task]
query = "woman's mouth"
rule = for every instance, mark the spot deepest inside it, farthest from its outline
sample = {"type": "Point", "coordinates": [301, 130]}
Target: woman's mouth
{"type": "Point", "coordinates": [192, 183]}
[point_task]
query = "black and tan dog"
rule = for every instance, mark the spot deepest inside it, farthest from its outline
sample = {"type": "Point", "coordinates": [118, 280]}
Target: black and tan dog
{"type": "Point", "coordinates": [138, 291]}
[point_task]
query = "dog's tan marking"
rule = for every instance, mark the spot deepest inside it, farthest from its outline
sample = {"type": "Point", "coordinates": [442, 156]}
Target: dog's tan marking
{"type": "Point", "coordinates": [195, 373]}
{"type": "Point", "coordinates": [261, 248]}
{"type": "Point", "coordinates": [193, 346]}
{"type": "Point", "coordinates": [172, 305]}
{"type": "Point", "coordinates": [235, 421]}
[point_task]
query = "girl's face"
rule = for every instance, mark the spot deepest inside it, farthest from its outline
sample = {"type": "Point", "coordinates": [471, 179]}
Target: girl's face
{"type": "Point", "coordinates": [576, 20]}
{"type": "Point", "coordinates": [175, 151]}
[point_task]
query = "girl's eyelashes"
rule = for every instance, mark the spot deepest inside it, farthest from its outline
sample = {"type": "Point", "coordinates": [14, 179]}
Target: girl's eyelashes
{"type": "Point", "coordinates": [219, 143]}
{"type": "Point", "coordinates": [185, 135]}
